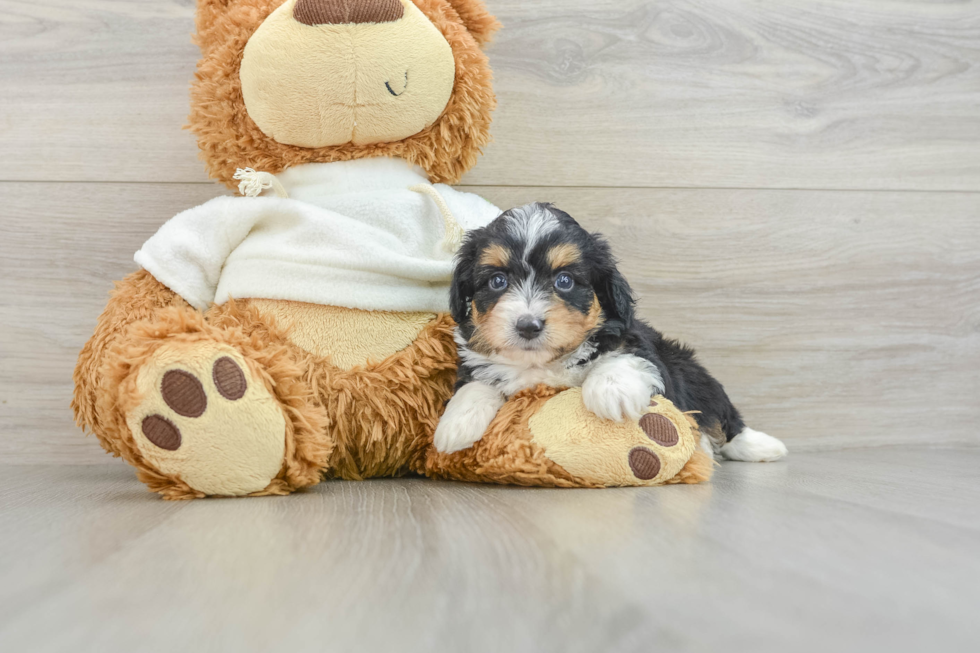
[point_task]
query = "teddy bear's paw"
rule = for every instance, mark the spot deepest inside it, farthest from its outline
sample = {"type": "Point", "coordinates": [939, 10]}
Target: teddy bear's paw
{"type": "Point", "coordinates": [648, 451]}
{"type": "Point", "coordinates": [203, 418]}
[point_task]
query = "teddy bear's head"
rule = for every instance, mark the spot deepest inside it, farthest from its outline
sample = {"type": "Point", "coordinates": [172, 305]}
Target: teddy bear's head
{"type": "Point", "coordinates": [284, 82]}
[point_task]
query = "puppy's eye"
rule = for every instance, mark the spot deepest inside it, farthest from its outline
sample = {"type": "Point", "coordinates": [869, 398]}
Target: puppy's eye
{"type": "Point", "coordinates": [498, 282]}
{"type": "Point", "coordinates": [564, 282]}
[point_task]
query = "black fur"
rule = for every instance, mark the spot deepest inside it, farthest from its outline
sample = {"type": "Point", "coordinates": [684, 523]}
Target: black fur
{"type": "Point", "coordinates": [687, 383]}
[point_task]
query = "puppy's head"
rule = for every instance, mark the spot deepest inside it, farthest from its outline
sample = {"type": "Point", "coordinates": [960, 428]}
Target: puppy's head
{"type": "Point", "coordinates": [533, 285]}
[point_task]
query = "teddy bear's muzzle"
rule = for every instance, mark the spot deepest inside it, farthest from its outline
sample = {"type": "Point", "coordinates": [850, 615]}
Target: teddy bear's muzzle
{"type": "Point", "coordinates": [336, 12]}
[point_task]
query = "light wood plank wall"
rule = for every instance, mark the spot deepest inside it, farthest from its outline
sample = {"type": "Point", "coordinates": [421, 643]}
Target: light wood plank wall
{"type": "Point", "coordinates": [793, 187]}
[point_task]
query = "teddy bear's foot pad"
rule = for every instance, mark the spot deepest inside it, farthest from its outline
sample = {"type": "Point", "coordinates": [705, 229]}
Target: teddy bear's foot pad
{"type": "Point", "coordinates": [185, 395]}
{"type": "Point", "coordinates": [202, 419]}
{"type": "Point", "coordinates": [644, 463]}
{"type": "Point", "coordinates": [601, 452]}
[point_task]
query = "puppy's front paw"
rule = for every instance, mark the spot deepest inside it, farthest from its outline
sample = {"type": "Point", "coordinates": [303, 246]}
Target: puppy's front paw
{"type": "Point", "coordinates": [467, 417]}
{"type": "Point", "coordinates": [620, 387]}
{"type": "Point", "coordinates": [615, 399]}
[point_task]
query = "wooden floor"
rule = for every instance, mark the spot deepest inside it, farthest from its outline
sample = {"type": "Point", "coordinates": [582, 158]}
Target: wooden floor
{"type": "Point", "coordinates": [861, 550]}
{"type": "Point", "coordinates": [792, 186]}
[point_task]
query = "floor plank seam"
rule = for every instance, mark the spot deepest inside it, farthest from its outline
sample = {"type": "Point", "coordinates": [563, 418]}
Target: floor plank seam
{"type": "Point", "coordinates": [946, 191]}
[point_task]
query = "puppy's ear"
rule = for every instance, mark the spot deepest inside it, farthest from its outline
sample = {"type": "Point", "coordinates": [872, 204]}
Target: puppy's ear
{"type": "Point", "coordinates": [462, 289]}
{"type": "Point", "coordinates": [616, 298]}
{"type": "Point", "coordinates": [460, 296]}
{"type": "Point", "coordinates": [611, 288]}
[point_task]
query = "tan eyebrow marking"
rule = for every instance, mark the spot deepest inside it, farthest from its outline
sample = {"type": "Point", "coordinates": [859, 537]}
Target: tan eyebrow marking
{"type": "Point", "coordinates": [495, 256]}
{"type": "Point", "coordinates": [561, 255]}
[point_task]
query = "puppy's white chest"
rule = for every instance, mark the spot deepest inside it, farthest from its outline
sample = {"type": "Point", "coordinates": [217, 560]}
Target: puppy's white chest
{"type": "Point", "coordinates": [510, 376]}
{"type": "Point", "coordinates": [552, 375]}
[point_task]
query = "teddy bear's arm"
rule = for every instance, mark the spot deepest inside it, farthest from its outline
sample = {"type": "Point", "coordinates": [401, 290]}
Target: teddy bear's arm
{"type": "Point", "coordinates": [547, 437]}
{"type": "Point", "coordinates": [189, 251]}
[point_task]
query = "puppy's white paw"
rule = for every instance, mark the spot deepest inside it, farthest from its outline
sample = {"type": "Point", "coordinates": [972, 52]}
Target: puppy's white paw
{"type": "Point", "coordinates": [467, 416]}
{"type": "Point", "coordinates": [620, 386]}
{"type": "Point", "coordinates": [753, 446]}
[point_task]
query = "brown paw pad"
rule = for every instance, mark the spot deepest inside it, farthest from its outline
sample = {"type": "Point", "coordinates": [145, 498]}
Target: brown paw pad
{"type": "Point", "coordinates": [161, 432]}
{"type": "Point", "coordinates": [183, 393]}
{"type": "Point", "coordinates": [229, 379]}
{"type": "Point", "coordinates": [644, 463]}
{"type": "Point", "coordinates": [659, 429]}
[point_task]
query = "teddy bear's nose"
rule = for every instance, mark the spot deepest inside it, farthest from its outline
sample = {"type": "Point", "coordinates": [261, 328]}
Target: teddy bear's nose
{"type": "Point", "coordinates": [337, 12]}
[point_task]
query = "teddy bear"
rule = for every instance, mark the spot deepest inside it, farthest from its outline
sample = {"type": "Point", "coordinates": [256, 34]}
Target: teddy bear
{"type": "Point", "coordinates": [301, 332]}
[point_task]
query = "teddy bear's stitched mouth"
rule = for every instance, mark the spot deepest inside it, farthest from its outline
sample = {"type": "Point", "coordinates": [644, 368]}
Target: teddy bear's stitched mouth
{"type": "Point", "coordinates": [359, 105]}
{"type": "Point", "coordinates": [404, 88]}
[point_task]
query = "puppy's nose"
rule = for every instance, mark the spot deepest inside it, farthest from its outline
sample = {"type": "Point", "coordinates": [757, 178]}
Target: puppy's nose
{"type": "Point", "coordinates": [529, 327]}
{"type": "Point", "coordinates": [339, 12]}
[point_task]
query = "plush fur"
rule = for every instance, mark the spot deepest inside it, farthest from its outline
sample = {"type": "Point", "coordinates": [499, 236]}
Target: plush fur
{"type": "Point", "coordinates": [373, 420]}
{"type": "Point", "coordinates": [385, 413]}
{"type": "Point", "coordinates": [349, 338]}
{"type": "Point", "coordinates": [698, 469]}
{"type": "Point", "coordinates": [229, 139]}
{"type": "Point", "coordinates": [140, 317]}
{"type": "Point", "coordinates": [134, 299]}
{"type": "Point", "coordinates": [505, 453]}
{"type": "Point", "coordinates": [480, 23]}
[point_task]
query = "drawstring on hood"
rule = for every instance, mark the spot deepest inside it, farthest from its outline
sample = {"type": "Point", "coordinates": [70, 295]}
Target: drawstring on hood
{"type": "Point", "coordinates": [253, 183]}
{"type": "Point", "coordinates": [454, 232]}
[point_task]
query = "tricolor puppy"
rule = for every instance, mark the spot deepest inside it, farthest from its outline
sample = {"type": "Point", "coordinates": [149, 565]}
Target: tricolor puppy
{"type": "Point", "coordinates": [538, 299]}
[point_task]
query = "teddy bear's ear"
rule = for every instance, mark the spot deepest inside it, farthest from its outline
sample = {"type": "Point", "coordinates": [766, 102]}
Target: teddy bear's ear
{"type": "Point", "coordinates": [218, 21]}
{"type": "Point", "coordinates": [477, 20]}
{"type": "Point", "coordinates": [213, 6]}
{"type": "Point", "coordinates": [208, 11]}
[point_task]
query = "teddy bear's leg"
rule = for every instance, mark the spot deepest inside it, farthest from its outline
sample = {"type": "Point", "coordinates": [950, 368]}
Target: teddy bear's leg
{"type": "Point", "coordinates": [215, 406]}
{"type": "Point", "coordinates": [382, 377]}
{"type": "Point", "coordinates": [134, 299]}
{"type": "Point", "coordinates": [547, 437]}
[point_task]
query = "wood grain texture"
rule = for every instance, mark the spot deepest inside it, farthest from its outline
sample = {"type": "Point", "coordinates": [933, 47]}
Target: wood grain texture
{"type": "Point", "coordinates": [678, 93]}
{"type": "Point", "coordinates": [835, 319]}
{"type": "Point", "coordinates": [863, 550]}
{"type": "Point", "coordinates": [61, 248]}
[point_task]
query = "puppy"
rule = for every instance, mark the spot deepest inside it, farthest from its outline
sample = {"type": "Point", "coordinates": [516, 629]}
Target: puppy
{"type": "Point", "coordinates": [537, 299]}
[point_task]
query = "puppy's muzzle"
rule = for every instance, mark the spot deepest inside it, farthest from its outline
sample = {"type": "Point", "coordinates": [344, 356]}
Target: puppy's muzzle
{"type": "Point", "coordinates": [529, 327]}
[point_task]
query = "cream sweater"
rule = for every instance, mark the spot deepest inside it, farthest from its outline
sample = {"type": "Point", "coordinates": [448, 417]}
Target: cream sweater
{"type": "Point", "coordinates": [351, 234]}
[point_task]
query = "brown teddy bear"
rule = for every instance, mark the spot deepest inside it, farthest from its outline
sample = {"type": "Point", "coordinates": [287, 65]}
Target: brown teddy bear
{"type": "Point", "coordinates": [301, 332]}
